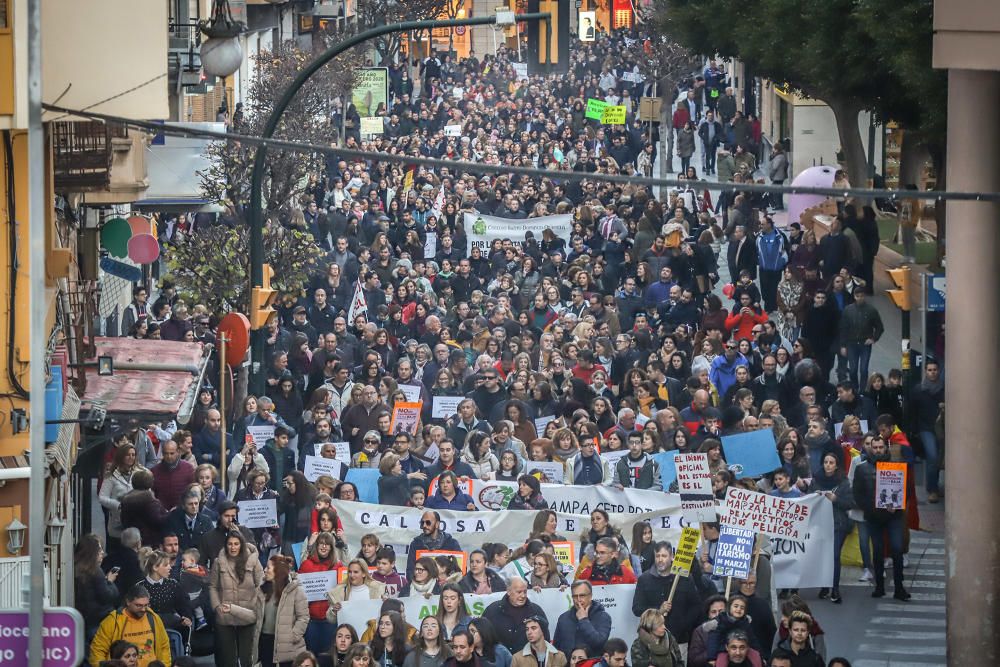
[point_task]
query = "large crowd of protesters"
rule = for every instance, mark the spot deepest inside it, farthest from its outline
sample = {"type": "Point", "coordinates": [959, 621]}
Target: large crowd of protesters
{"type": "Point", "coordinates": [627, 335]}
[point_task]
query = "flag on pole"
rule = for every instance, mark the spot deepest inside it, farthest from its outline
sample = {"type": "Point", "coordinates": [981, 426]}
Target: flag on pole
{"type": "Point", "coordinates": [359, 305]}
{"type": "Point", "coordinates": [438, 202]}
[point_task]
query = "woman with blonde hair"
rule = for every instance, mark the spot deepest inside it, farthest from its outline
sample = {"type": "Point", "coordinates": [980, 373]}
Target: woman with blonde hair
{"type": "Point", "coordinates": [359, 583]}
{"type": "Point", "coordinates": [655, 646]}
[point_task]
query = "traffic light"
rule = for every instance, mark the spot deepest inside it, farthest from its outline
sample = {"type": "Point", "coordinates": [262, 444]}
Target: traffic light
{"type": "Point", "coordinates": [261, 300]}
{"type": "Point", "coordinates": [901, 297]}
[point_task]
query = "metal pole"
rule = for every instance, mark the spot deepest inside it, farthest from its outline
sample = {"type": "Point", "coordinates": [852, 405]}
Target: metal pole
{"type": "Point", "coordinates": [36, 333]}
{"type": "Point", "coordinates": [223, 339]}
{"type": "Point", "coordinates": [974, 255]}
{"type": "Point", "coordinates": [254, 214]}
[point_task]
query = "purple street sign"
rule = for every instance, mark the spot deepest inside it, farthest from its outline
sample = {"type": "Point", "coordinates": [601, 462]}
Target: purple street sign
{"type": "Point", "coordinates": [62, 637]}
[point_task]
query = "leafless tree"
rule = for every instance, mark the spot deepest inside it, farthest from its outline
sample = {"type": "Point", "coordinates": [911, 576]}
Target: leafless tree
{"type": "Point", "coordinates": [307, 119]}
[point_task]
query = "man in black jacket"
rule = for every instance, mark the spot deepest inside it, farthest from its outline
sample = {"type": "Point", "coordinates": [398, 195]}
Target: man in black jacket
{"type": "Point", "coordinates": [882, 522]}
{"type": "Point", "coordinates": [509, 613]}
{"type": "Point", "coordinates": [188, 522]}
{"type": "Point", "coordinates": [683, 613]}
{"type": "Point", "coordinates": [214, 540]}
{"type": "Point", "coordinates": [431, 538]}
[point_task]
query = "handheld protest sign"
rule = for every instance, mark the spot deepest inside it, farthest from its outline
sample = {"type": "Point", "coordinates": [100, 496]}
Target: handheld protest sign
{"type": "Point", "coordinates": [734, 552]}
{"type": "Point", "coordinates": [687, 547]}
{"type": "Point", "coordinates": [460, 557]}
{"type": "Point", "coordinates": [890, 485]}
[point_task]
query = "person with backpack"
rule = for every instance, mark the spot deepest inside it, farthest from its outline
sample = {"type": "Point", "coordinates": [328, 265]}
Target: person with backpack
{"type": "Point", "coordinates": [136, 623]}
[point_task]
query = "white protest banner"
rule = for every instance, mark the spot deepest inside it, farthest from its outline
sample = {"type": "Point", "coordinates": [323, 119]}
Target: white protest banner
{"type": "Point", "coordinates": [550, 471]}
{"type": "Point", "coordinates": [452, 130]}
{"type": "Point", "coordinates": [520, 70]}
{"type": "Point", "coordinates": [258, 513]}
{"type": "Point", "coordinates": [633, 77]}
{"type": "Point", "coordinates": [261, 434]}
{"type": "Point", "coordinates": [443, 407]}
{"type": "Point", "coordinates": [586, 499]}
{"type": "Point", "coordinates": [399, 525]}
{"type": "Point", "coordinates": [541, 423]}
{"type": "Point", "coordinates": [372, 125]}
{"type": "Point", "coordinates": [807, 562]}
{"type": "Point", "coordinates": [733, 552]}
{"type": "Point", "coordinates": [616, 600]}
{"type": "Point", "coordinates": [481, 230]}
{"type": "Point", "coordinates": [430, 245]}
{"type": "Point", "coordinates": [761, 513]}
{"type": "Point", "coordinates": [694, 483]}
{"type": "Point", "coordinates": [316, 466]}
{"type": "Point", "coordinates": [342, 449]}
{"type": "Point", "coordinates": [405, 418]}
{"type": "Point", "coordinates": [890, 485]}
{"type": "Point", "coordinates": [316, 584]}
{"type": "Point", "coordinates": [411, 391]}
{"type": "Point", "coordinates": [457, 92]}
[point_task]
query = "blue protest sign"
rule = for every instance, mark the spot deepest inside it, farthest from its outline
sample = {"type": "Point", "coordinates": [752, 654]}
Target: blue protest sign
{"type": "Point", "coordinates": [668, 472]}
{"type": "Point", "coordinates": [733, 552]}
{"type": "Point", "coordinates": [366, 479]}
{"type": "Point", "coordinates": [751, 454]}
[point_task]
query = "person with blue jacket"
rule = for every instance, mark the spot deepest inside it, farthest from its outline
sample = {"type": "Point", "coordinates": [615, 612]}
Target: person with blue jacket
{"type": "Point", "coordinates": [585, 624]}
{"type": "Point", "coordinates": [772, 256]}
{"type": "Point", "coordinates": [449, 496]}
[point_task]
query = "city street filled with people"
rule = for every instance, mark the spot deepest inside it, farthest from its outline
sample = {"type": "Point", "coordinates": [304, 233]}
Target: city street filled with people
{"type": "Point", "coordinates": [539, 421]}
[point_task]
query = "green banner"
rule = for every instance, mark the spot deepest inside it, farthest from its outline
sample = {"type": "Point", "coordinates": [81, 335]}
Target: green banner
{"type": "Point", "coordinates": [595, 109]}
{"type": "Point", "coordinates": [370, 90]}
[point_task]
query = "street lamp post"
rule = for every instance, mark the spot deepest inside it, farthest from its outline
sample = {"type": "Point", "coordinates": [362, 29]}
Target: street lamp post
{"type": "Point", "coordinates": [255, 215]}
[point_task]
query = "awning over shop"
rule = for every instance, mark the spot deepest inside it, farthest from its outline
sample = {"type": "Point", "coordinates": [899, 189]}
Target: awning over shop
{"type": "Point", "coordinates": [153, 379]}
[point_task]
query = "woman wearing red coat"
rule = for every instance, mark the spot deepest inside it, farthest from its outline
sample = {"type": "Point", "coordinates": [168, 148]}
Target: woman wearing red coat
{"type": "Point", "coordinates": [322, 558]}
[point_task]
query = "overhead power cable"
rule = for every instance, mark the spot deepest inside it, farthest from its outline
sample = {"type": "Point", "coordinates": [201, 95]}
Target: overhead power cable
{"type": "Point", "coordinates": [476, 167]}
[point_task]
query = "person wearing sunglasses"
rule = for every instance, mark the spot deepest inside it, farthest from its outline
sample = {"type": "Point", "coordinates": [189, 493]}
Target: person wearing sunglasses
{"type": "Point", "coordinates": [431, 538]}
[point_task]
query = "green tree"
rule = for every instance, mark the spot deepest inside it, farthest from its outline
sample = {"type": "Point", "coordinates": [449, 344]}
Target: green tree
{"type": "Point", "coordinates": [815, 46]}
{"type": "Point", "coordinates": [212, 267]}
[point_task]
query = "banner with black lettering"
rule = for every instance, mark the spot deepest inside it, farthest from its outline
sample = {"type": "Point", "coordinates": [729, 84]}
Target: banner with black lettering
{"type": "Point", "coordinates": [807, 562]}
{"type": "Point", "coordinates": [399, 525]}
{"type": "Point", "coordinates": [482, 230]}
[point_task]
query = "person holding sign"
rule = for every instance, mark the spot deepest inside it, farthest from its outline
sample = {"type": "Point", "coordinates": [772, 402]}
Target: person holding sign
{"type": "Point", "coordinates": [322, 558]}
{"type": "Point", "coordinates": [832, 483]}
{"type": "Point", "coordinates": [449, 496]}
{"type": "Point", "coordinates": [883, 523]}
{"type": "Point", "coordinates": [679, 603]}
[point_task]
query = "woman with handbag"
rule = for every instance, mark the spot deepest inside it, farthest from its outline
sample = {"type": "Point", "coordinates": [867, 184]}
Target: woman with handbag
{"type": "Point", "coordinates": [234, 590]}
